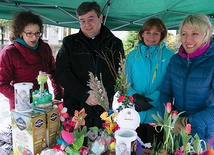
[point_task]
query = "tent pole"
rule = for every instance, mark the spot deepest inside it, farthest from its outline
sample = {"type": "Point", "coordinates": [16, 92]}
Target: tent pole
{"type": "Point", "coordinates": [108, 6]}
{"type": "Point", "coordinates": [66, 12]}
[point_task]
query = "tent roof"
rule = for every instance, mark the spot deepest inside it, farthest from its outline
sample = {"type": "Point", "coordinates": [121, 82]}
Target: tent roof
{"type": "Point", "coordinates": [119, 14]}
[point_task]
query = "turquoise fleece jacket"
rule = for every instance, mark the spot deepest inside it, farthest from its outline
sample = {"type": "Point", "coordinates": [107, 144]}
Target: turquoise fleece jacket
{"type": "Point", "coordinates": [145, 69]}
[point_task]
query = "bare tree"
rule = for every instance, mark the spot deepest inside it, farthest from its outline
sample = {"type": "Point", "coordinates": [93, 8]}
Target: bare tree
{"type": "Point", "coordinates": [3, 24]}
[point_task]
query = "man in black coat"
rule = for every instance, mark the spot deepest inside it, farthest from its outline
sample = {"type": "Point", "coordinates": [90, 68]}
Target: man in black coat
{"type": "Point", "coordinates": [81, 53]}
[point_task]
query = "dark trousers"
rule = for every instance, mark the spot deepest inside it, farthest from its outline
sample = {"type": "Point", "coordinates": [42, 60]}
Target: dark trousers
{"type": "Point", "coordinates": [147, 134]}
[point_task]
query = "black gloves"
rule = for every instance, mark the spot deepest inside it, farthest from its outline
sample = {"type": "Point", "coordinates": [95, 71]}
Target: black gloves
{"type": "Point", "coordinates": [141, 102]}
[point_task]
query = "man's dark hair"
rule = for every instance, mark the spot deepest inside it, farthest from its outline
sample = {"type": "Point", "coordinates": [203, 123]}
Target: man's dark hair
{"type": "Point", "coordinates": [86, 7]}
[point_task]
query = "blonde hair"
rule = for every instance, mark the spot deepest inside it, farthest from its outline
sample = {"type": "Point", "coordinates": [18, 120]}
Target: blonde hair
{"type": "Point", "coordinates": [200, 22]}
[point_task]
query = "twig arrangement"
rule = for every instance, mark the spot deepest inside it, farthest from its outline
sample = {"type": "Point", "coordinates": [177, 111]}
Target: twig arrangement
{"type": "Point", "coordinates": [98, 90]}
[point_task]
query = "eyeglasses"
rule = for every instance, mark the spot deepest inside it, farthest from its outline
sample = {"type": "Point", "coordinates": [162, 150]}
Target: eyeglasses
{"type": "Point", "coordinates": [30, 34]}
{"type": "Point", "coordinates": [90, 20]}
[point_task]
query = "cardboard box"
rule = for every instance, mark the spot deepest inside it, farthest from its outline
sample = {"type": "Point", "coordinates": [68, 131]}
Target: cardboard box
{"type": "Point", "coordinates": [28, 132]}
{"type": "Point", "coordinates": [52, 124]}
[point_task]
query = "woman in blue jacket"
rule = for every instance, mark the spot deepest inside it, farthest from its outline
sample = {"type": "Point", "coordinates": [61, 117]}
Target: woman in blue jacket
{"type": "Point", "coordinates": [145, 68]}
{"type": "Point", "coordinates": [189, 80]}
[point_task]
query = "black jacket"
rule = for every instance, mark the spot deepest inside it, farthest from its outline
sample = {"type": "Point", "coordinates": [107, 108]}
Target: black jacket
{"type": "Point", "coordinates": [74, 61]}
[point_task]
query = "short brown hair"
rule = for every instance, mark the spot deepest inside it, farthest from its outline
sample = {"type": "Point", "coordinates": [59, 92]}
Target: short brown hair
{"type": "Point", "coordinates": [149, 24]}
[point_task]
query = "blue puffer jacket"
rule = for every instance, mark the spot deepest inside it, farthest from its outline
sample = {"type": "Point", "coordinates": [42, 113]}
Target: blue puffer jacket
{"type": "Point", "coordinates": [145, 69]}
{"type": "Point", "coordinates": [191, 84]}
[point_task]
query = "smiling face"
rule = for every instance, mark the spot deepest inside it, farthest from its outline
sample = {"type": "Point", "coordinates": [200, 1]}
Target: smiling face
{"type": "Point", "coordinates": [151, 37]}
{"type": "Point", "coordinates": [192, 39]}
{"type": "Point", "coordinates": [31, 40]}
{"type": "Point", "coordinates": [90, 24]}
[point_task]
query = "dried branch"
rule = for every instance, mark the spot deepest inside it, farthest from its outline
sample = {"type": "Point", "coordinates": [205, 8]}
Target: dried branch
{"type": "Point", "coordinates": [98, 90]}
{"type": "Point", "coordinates": [111, 64]}
{"type": "Point", "coordinates": [122, 84]}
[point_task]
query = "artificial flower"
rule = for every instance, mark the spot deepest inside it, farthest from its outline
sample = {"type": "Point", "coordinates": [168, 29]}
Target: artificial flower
{"type": "Point", "coordinates": [104, 116]}
{"type": "Point", "coordinates": [79, 118]}
{"type": "Point", "coordinates": [61, 142]}
{"type": "Point", "coordinates": [121, 98]}
{"type": "Point", "coordinates": [62, 111]}
{"type": "Point", "coordinates": [116, 127]}
{"type": "Point", "coordinates": [67, 137]}
{"type": "Point", "coordinates": [127, 101]}
{"type": "Point", "coordinates": [131, 99]}
{"type": "Point", "coordinates": [73, 131]}
{"type": "Point", "coordinates": [108, 118]}
{"type": "Point", "coordinates": [84, 150]}
{"type": "Point", "coordinates": [112, 145]}
{"type": "Point", "coordinates": [110, 125]}
{"type": "Point", "coordinates": [42, 79]}
{"type": "Point", "coordinates": [68, 125]}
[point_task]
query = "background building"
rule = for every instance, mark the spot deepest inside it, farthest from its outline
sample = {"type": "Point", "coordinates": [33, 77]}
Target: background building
{"type": "Point", "coordinates": [53, 35]}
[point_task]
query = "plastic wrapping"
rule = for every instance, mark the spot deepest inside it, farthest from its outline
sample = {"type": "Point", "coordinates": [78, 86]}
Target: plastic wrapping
{"type": "Point", "coordinates": [101, 144]}
{"type": "Point", "coordinates": [6, 129]}
{"type": "Point", "coordinates": [6, 149]}
{"type": "Point", "coordinates": [52, 152]}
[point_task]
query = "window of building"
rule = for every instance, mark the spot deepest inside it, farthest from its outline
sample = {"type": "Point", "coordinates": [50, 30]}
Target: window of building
{"type": "Point", "coordinates": [45, 32]}
{"type": "Point", "coordinates": [6, 33]}
{"type": "Point", "coordinates": [60, 33]}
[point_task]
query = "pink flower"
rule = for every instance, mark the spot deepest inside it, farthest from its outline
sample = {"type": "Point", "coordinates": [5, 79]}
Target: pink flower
{"type": "Point", "coordinates": [188, 128]}
{"type": "Point", "coordinates": [84, 150]}
{"type": "Point", "coordinates": [174, 114]}
{"type": "Point", "coordinates": [68, 125]}
{"type": "Point", "coordinates": [131, 99]}
{"type": "Point", "coordinates": [62, 111]}
{"type": "Point", "coordinates": [178, 152]}
{"type": "Point", "coordinates": [121, 98]}
{"type": "Point", "coordinates": [67, 137]}
{"type": "Point", "coordinates": [168, 107]}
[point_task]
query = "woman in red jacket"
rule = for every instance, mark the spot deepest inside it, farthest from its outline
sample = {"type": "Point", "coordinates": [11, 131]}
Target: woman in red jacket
{"type": "Point", "coordinates": [22, 60]}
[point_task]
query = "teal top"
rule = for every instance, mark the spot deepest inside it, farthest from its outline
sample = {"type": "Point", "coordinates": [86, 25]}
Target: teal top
{"type": "Point", "coordinates": [21, 41]}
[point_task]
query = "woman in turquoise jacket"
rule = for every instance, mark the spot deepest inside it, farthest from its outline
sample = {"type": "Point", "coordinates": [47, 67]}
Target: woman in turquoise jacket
{"type": "Point", "coordinates": [145, 69]}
